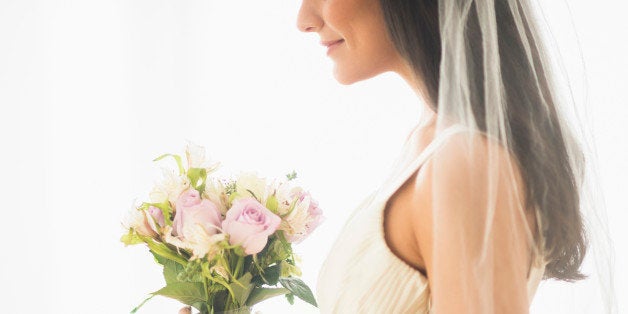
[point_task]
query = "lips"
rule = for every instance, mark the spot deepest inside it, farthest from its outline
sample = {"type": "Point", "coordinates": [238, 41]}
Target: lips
{"type": "Point", "coordinates": [331, 42]}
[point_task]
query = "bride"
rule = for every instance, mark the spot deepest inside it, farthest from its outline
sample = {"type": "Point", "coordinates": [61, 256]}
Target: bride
{"type": "Point", "coordinates": [485, 199]}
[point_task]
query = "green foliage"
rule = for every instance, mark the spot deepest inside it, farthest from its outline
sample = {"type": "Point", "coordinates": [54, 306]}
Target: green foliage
{"type": "Point", "coordinates": [288, 270]}
{"type": "Point", "coordinates": [232, 196]}
{"type": "Point", "coordinates": [192, 272]}
{"type": "Point", "coordinates": [198, 178]}
{"type": "Point", "coordinates": [279, 251]}
{"type": "Point", "coordinates": [193, 282]}
{"type": "Point", "coordinates": [290, 298]}
{"type": "Point", "coordinates": [171, 268]}
{"type": "Point", "coordinates": [231, 187]}
{"type": "Point", "coordinates": [177, 158]}
{"type": "Point", "coordinates": [131, 238]}
{"type": "Point", "coordinates": [163, 250]}
{"type": "Point", "coordinates": [239, 251]}
{"type": "Point", "coordinates": [254, 196]}
{"type": "Point", "coordinates": [165, 210]}
{"type": "Point", "coordinates": [187, 292]}
{"type": "Point", "coordinates": [134, 310]}
{"type": "Point", "coordinates": [260, 294]}
{"type": "Point", "coordinates": [242, 288]}
{"type": "Point", "coordinates": [272, 204]}
{"type": "Point", "coordinates": [291, 176]}
{"type": "Point", "coordinates": [270, 277]}
{"type": "Point", "coordinates": [299, 289]}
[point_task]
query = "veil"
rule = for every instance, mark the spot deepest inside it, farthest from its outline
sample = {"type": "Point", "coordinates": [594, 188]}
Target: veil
{"type": "Point", "coordinates": [512, 196]}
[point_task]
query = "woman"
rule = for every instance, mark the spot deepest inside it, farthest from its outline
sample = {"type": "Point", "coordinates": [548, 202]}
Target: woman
{"type": "Point", "coordinates": [485, 199]}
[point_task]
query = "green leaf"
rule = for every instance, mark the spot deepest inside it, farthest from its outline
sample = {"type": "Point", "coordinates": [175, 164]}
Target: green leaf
{"type": "Point", "coordinates": [201, 307]}
{"type": "Point", "coordinates": [165, 210]}
{"type": "Point", "coordinates": [290, 298]}
{"type": "Point", "coordinates": [242, 288]}
{"type": "Point", "coordinates": [186, 292]}
{"type": "Point", "coordinates": [277, 251]}
{"type": "Point", "coordinates": [171, 268]}
{"type": "Point", "coordinates": [271, 275]}
{"type": "Point", "coordinates": [291, 176]}
{"type": "Point", "coordinates": [272, 204]}
{"type": "Point", "coordinates": [164, 251]}
{"type": "Point", "coordinates": [299, 289]}
{"type": "Point", "coordinates": [260, 294]}
{"type": "Point", "coordinates": [197, 175]}
{"type": "Point", "coordinates": [133, 311]}
{"type": "Point", "coordinates": [131, 238]}
{"type": "Point", "coordinates": [288, 270]}
{"type": "Point", "coordinates": [232, 196]}
{"type": "Point", "coordinates": [177, 158]}
{"type": "Point", "coordinates": [239, 251]}
{"type": "Point", "coordinates": [253, 194]}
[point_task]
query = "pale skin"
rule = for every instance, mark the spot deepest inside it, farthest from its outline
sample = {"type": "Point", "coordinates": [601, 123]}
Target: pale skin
{"type": "Point", "coordinates": [366, 51]}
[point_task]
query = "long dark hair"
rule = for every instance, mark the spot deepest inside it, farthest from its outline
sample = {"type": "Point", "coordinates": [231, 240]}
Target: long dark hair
{"type": "Point", "coordinates": [538, 144]}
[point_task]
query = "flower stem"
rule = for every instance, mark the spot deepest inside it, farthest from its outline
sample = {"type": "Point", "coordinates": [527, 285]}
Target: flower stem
{"type": "Point", "coordinates": [238, 267]}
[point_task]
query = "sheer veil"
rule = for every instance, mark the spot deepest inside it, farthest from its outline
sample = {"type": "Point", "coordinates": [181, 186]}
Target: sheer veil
{"type": "Point", "coordinates": [520, 184]}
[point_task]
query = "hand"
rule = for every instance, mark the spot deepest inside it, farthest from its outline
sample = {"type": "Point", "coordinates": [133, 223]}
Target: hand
{"type": "Point", "coordinates": [185, 310]}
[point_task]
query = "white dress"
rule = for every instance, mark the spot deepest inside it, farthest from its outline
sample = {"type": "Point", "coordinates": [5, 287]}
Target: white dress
{"type": "Point", "coordinates": [362, 275]}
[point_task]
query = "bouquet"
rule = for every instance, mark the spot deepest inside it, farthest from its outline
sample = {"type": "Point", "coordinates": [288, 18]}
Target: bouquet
{"type": "Point", "coordinates": [224, 244]}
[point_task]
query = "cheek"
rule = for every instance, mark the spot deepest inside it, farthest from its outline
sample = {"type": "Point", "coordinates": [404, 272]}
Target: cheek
{"type": "Point", "coordinates": [368, 50]}
{"type": "Point", "coordinates": [339, 15]}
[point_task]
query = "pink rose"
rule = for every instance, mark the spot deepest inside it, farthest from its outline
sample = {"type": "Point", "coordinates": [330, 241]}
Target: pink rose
{"type": "Point", "coordinates": [157, 214]}
{"type": "Point", "coordinates": [191, 209]}
{"type": "Point", "coordinates": [249, 224]}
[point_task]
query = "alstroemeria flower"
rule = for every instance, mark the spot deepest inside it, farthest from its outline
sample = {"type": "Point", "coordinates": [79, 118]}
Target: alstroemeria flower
{"type": "Point", "coordinates": [304, 218]}
{"type": "Point", "coordinates": [195, 155]}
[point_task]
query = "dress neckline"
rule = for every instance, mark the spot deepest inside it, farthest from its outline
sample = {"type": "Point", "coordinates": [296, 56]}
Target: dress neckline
{"type": "Point", "coordinates": [401, 173]}
{"type": "Point", "coordinates": [398, 178]}
{"type": "Point", "coordinates": [390, 186]}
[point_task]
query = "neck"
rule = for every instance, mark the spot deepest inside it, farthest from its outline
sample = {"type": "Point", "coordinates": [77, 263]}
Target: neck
{"type": "Point", "coordinates": [428, 116]}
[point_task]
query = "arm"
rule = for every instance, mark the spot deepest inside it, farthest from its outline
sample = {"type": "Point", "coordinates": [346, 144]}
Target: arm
{"type": "Point", "coordinates": [457, 217]}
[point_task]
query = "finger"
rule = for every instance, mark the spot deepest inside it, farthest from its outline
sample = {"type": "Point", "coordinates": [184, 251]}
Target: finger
{"type": "Point", "coordinates": [185, 310]}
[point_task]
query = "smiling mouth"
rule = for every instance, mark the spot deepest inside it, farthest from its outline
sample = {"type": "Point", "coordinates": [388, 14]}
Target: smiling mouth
{"type": "Point", "coordinates": [333, 45]}
{"type": "Point", "coordinates": [330, 42]}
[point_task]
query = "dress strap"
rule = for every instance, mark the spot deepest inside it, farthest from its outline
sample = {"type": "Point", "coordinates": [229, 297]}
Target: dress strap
{"type": "Point", "coordinates": [398, 178]}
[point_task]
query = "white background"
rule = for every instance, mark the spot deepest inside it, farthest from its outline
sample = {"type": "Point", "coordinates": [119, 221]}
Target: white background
{"type": "Point", "coordinates": [92, 91]}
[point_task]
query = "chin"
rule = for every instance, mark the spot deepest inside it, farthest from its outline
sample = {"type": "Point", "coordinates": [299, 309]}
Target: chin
{"type": "Point", "coordinates": [348, 78]}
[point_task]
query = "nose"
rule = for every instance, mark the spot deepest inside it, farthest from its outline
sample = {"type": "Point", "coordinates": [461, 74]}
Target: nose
{"type": "Point", "coordinates": [308, 19]}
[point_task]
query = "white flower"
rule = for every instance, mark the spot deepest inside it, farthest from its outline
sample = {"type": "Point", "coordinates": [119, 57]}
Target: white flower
{"type": "Point", "coordinates": [303, 219]}
{"type": "Point", "coordinates": [295, 223]}
{"type": "Point", "coordinates": [197, 240]}
{"type": "Point", "coordinates": [248, 182]}
{"type": "Point", "coordinates": [158, 194]}
{"type": "Point", "coordinates": [195, 155]}
{"type": "Point", "coordinates": [283, 192]}
{"type": "Point", "coordinates": [215, 192]}
{"type": "Point", "coordinates": [170, 188]}
{"type": "Point", "coordinates": [138, 221]}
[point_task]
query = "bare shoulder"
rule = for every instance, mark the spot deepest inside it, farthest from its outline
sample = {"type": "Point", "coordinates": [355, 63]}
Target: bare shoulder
{"type": "Point", "coordinates": [458, 218]}
{"type": "Point", "coordinates": [463, 160]}
{"type": "Point", "coordinates": [457, 174]}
